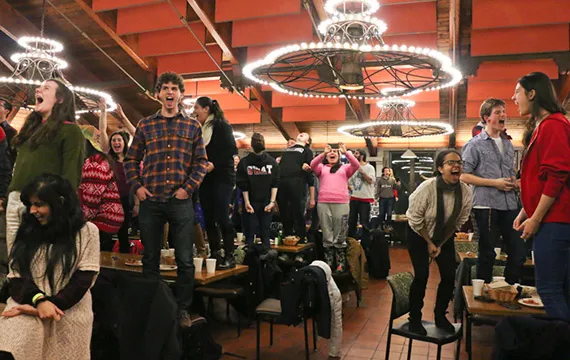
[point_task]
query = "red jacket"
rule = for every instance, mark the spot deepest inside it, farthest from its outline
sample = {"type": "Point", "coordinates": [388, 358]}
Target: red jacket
{"type": "Point", "coordinates": [546, 169]}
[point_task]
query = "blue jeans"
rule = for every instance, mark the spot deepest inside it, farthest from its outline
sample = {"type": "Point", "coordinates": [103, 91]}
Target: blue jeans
{"type": "Point", "coordinates": [180, 216]}
{"type": "Point", "coordinates": [259, 222]}
{"type": "Point", "coordinates": [385, 215]}
{"type": "Point", "coordinates": [551, 258]}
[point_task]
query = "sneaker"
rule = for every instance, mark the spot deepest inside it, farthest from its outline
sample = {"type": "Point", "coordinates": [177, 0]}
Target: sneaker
{"type": "Point", "coordinates": [186, 320]}
{"type": "Point", "coordinates": [299, 258]}
{"type": "Point", "coordinates": [226, 263]}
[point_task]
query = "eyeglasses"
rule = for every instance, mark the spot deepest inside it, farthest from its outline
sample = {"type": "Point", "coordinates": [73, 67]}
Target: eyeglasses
{"type": "Point", "coordinates": [454, 162]}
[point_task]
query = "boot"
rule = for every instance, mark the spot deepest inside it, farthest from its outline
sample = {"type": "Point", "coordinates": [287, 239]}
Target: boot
{"type": "Point", "coordinates": [200, 242]}
{"type": "Point", "coordinates": [340, 258]}
{"type": "Point", "coordinates": [228, 262]}
{"type": "Point", "coordinates": [329, 257]}
{"type": "Point", "coordinates": [415, 325]}
{"type": "Point", "coordinates": [442, 322]}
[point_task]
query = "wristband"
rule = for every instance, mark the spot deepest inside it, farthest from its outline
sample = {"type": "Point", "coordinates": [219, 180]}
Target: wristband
{"type": "Point", "coordinates": [37, 297]}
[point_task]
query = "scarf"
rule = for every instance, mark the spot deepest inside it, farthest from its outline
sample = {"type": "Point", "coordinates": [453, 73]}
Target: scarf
{"type": "Point", "coordinates": [441, 226]}
{"type": "Point", "coordinates": [208, 129]}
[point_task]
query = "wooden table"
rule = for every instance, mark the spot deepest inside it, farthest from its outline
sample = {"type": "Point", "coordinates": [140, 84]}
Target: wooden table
{"type": "Point", "coordinates": [476, 307]}
{"type": "Point", "coordinates": [116, 261]}
{"type": "Point", "coordinates": [292, 249]}
{"type": "Point", "coordinates": [468, 255]}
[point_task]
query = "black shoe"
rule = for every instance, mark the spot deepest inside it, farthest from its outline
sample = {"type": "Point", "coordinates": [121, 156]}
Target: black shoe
{"type": "Point", "coordinates": [444, 324]}
{"type": "Point", "coordinates": [417, 327]}
{"type": "Point", "coordinates": [226, 263]}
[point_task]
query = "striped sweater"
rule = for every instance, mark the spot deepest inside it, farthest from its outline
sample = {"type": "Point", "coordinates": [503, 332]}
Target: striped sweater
{"type": "Point", "coordinates": [99, 195]}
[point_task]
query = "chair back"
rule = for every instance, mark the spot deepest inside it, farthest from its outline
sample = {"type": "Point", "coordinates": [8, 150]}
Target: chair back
{"type": "Point", "coordinates": [467, 246]}
{"type": "Point", "coordinates": [497, 271]}
{"type": "Point", "coordinates": [400, 284]}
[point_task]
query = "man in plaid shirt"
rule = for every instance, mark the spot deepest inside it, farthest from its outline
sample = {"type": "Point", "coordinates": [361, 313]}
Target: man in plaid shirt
{"type": "Point", "coordinates": [174, 166]}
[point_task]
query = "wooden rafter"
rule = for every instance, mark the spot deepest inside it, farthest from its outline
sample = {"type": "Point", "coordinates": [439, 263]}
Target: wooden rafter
{"type": "Point", "coordinates": [564, 90]}
{"type": "Point", "coordinates": [205, 9]}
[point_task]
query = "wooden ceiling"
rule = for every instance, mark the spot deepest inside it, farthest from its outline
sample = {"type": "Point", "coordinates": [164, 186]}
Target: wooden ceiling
{"type": "Point", "coordinates": [121, 46]}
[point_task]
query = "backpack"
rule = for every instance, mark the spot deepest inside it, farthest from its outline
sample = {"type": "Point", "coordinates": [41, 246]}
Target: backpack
{"type": "Point", "coordinates": [135, 248]}
{"type": "Point", "coordinates": [199, 344]}
{"type": "Point", "coordinates": [378, 255]}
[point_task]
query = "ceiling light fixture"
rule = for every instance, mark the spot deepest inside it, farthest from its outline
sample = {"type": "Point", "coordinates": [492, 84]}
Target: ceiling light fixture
{"type": "Point", "coordinates": [353, 61]}
{"type": "Point", "coordinates": [238, 135]}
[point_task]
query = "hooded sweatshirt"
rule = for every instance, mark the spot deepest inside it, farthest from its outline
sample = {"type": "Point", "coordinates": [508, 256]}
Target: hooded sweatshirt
{"type": "Point", "coordinates": [258, 174]}
{"type": "Point", "coordinates": [292, 162]}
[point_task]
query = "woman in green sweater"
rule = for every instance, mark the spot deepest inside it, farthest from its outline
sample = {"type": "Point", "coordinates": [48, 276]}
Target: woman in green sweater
{"type": "Point", "coordinates": [49, 142]}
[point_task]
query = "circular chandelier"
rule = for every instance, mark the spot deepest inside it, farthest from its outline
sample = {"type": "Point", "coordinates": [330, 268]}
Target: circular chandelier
{"type": "Point", "coordinates": [396, 119]}
{"type": "Point", "coordinates": [353, 61]}
{"type": "Point", "coordinates": [39, 62]}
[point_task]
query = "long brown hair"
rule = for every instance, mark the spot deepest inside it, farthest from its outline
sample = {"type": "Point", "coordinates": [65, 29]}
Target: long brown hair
{"type": "Point", "coordinates": [544, 99]}
{"type": "Point", "coordinates": [36, 131]}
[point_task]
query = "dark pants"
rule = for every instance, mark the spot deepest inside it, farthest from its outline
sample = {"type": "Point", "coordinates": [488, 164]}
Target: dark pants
{"type": "Point", "coordinates": [215, 199]}
{"type": "Point", "coordinates": [291, 211]}
{"type": "Point", "coordinates": [492, 223]}
{"type": "Point", "coordinates": [105, 241]}
{"type": "Point", "coordinates": [180, 216]}
{"type": "Point", "coordinates": [123, 234]}
{"type": "Point", "coordinates": [420, 260]}
{"type": "Point", "coordinates": [385, 215]}
{"type": "Point", "coordinates": [551, 260]}
{"type": "Point", "coordinates": [258, 222]}
{"type": "Point", "coordinates": [359, 209]}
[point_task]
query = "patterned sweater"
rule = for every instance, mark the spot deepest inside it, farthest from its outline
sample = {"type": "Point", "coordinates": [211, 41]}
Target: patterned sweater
{"type": "Point", "coordinates": [99, 195]}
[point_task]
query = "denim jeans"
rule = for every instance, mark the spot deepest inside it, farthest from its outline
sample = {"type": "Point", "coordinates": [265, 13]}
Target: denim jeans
{"type": "Point", "coordinates": [551, 260]}
{"type": "Point", "coordinates": [385, 205]}
{"type": "Point", "coordinates": [258, 223]}
{"type": "Point", "coordinates": [180, 216]}
{"type": "Point", "coordinates": [215, 198]}
{"type": "Point", "coordinates": [490, 224]}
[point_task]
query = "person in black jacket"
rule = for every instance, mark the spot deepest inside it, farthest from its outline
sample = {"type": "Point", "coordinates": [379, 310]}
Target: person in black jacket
{"type": "Point", "coordinates": [258, 178]}
{"type": "Point", "coordinates": [217, 187]}
{"type": "Point", "coordinates": [295, 173]}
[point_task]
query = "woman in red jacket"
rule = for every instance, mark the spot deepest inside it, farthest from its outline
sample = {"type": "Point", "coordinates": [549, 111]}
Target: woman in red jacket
{"type": "Point", "coordinates": [545, 189]}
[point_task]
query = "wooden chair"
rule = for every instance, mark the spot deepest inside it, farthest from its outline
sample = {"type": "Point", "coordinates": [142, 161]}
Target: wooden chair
{"type": "Point", "coordinates": [400, 284]}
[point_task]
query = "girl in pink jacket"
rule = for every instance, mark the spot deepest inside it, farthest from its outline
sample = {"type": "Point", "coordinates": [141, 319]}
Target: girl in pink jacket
{"type": "Point", "coordinates": [333, 206]}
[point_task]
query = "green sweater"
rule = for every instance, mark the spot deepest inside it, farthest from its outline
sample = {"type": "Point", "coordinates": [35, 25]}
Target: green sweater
{"type": "Point", "coordinates": [63, 156]}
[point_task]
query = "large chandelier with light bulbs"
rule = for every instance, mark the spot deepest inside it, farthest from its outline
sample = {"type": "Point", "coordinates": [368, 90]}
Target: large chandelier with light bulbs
{"type": "Point", "coordinates": [39, 62]}
{"type": "Point", "coordinates": [396, 119]}
{"type": "Point", "coordinates": [353, 61]}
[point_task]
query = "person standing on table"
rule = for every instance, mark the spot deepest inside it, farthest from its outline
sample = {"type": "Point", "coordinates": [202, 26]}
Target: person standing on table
{"type": "Point", "coordinates": [545, 184]}
{"type": "Point", "coordinates": [217, 188]}
{"type": "Point", "coordinates": [438, 208]}
{"type": "Point", "coordinates": [362, 186]}
{"type": "Point", "coordinates": [174, 166]}
{"type": "Point", "coordinates": [385, 194]}
{"type": "Point", "coordinates": [488, 165]}
{"type": "Point", "coordinates": [295, 175]}
{"type": "Point", "coordinates": [258, 178]}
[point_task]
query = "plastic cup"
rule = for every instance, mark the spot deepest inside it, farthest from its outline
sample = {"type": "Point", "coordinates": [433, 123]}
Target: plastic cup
{"type": "Point", "coordinates": [240, 237]}
{"type": "Point", "coordinates": [497, 251]}
{"type": "Point", "coordinates": [532, 256]}
{"type": "Point", "coordinates": [210, 266]}
{"type": "Point", "coordinates": [478, 287]}
{"type": "Point", "coordinates": [470, 236]}
{"type": "Point", "coordinates": [498, 278]}
{"type": "Point", "coordinates": [198, 261]}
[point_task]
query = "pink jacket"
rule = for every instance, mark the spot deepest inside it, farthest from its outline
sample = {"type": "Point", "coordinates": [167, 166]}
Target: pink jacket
{"type": "Point", "coordinates": [333, 188]}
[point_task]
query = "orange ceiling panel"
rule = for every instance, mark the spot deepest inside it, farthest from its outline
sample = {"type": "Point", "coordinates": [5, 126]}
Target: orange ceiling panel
{"type": "Point", "coordinates": [284, 100]}
{"type": "Point", "coordinates": [474, 106]}
{"type": "Point", "coordinates": [424, 110]}
{"type": "Point", "coordinates": [509, 13]}
{"type": "Point", "coordinates": [229, 101]}
{"type": "Point", "coordinates": [232, 10]}
{"type": "Point", "coordinates": [189, 63]}
{"type": "Point", "coordinates": [149, 17]}
{"type": "Point", "coordinates": [205, 87]}
{"type": "Point", "coordinates": [534, 39]}
{"type": "Point", "coordinates": [103, 5]}
{"type": "Point", "coordinates": [274, 30]}
{"type": "Point", "coordinates": [249, 116]}
{"type": "Point", "coordinates": [417, 40]}
{"type": "Point", "coordinates": [408, 18]}
{"type": "Point", "coordinates": [397, 2]}
{"type": "Point", "coordinates": [485, 89]}
{"type": "Point", "coordinates": [179, 40]}
{"type": "Point", "coordinates": [315, 113]}
{"type": "Point", "coordinates": [512, 70]}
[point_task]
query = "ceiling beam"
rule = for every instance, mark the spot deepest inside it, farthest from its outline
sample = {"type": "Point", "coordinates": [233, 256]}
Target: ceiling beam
{"type": "Point", "coordinates": [15, 25]}
{"type": "Point", "coordinates": [564, 90]}
{"type": "Point", "coordinates": [204, 9]}
{"type": "Point", "coordinates": [113, 34]}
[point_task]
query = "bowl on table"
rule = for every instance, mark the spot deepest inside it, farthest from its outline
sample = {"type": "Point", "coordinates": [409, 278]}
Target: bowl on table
{"type": "Point", "coordinates": [291, 240]}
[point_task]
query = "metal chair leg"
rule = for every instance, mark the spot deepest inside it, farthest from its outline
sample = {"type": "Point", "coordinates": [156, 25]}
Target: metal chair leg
{"type": "Point", "coordinates": [388, 343]}
{"type": "Point", "coordinates": [271, 333]}
{"type": "Point", "coordinates": [258, 338]}
{"type": "Point", "coordinates": [228, 311]}
{"type": "Point", "coordinates": [239, 325]}
{"type": "Point", "coordinates": [458, 349]}
{"type": "Point", "coordinates": [439, 352]}
{"type": "Point", "coordinates": [314, 335]}
{"type": "Point", "coordinates": [410, 349]}
{"type": "Point", "coordinates": [306, 338]}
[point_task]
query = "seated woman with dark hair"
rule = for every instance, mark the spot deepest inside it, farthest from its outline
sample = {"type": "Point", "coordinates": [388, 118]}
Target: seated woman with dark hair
{"type": "Point", "coordinates": [54, 261]}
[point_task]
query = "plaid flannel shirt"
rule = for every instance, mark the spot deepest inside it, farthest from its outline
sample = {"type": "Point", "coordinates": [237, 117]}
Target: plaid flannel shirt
{"type": "Point", "coordinates": [174, 156]}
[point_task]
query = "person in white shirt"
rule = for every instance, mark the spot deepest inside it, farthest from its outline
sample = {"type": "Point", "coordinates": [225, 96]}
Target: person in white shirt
{"type": "Point", "coordinates": [362, 186]}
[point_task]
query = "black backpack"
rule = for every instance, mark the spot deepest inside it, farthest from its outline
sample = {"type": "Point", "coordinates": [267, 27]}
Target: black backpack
{"type": "Point", "coordinates": [199, 344]}
{"type": "Point", "coordinates": [378, 255]}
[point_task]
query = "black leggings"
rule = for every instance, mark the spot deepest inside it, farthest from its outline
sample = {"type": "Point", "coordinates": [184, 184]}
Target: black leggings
{"type": "Point", "coordinates": [123, 234]}
{"type": "Point", "coordinates": [6, 356]}
{"type": "Point", "coordinates": [215, 198]}
{"type": "Point", "coordinates": [420, 260]}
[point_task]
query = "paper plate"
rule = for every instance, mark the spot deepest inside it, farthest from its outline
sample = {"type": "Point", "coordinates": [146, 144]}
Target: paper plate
{"type": "Point", "coordinates": [534, 302]}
